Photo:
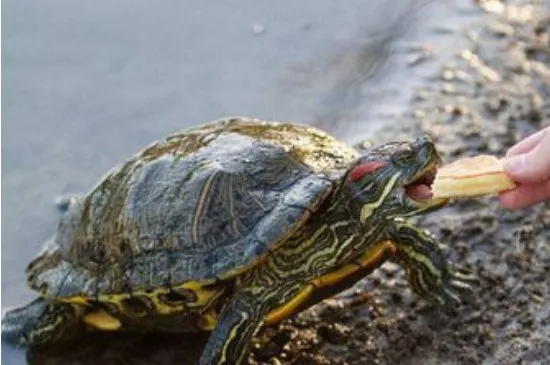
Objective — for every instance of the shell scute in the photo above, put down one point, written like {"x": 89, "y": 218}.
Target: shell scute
{"x": 203, "y": 204}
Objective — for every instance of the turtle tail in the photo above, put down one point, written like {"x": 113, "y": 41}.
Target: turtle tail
{"x": 38, "y": 322}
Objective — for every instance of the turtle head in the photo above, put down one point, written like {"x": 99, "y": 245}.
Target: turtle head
{"x": 394, "y": 179}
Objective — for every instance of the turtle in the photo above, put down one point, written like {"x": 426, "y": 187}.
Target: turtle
{"x": 231, "y": 226}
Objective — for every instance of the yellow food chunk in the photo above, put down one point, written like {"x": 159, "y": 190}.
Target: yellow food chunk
{"x": 473, "y": 176}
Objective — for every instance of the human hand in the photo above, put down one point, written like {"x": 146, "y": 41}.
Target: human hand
{"x": 528, "y": 164}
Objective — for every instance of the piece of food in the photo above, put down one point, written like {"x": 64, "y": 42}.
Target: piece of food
{"x": 474, "y": 176}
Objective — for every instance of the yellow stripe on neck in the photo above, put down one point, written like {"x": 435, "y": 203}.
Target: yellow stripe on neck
{"x": 367, "y": 209}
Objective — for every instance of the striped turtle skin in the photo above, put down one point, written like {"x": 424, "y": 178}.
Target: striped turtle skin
{"x": 229, "y": 227}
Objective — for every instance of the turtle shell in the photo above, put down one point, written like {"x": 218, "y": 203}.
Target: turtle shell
{"x": 201, "y": 205}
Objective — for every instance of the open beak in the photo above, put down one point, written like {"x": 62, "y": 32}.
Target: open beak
{"x": 419, "y": 190}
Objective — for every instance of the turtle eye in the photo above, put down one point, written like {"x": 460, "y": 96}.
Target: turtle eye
{"x": 404, "y": 158}
{"x": 361, "y": 169}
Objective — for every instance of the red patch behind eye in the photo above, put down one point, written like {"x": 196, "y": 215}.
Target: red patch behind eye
{"x": 362, "y": 169}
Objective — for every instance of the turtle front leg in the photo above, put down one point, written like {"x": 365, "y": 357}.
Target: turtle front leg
{"x": 39, "y": 322}
{"x": 239, "y": 320}
{"x": 427, "y": 269}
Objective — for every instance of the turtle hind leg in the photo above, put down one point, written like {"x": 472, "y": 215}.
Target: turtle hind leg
{"x": 428, "y": 272}
{"x": 240, "y": 319}
{"x": 39, "y": 322}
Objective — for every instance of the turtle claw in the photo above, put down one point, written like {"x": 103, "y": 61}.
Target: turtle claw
{"x": 464, "y": 276}
{"x": 457, "y": 288}
{"x": 448, "y": 288}
{"x": 428, "y": 271}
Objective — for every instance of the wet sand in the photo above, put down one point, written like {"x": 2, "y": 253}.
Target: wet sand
{"x": 483, "y": 101}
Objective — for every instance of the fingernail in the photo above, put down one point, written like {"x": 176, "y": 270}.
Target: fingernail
{"x": 515, "y": 165}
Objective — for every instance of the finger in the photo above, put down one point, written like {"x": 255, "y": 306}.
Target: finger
{"x": 527, "y": 144}
{"x": 533, "y": 166}
{"x": 526, "y": 195}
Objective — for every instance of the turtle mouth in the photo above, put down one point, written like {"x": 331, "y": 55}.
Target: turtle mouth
{"x": 419, "y": 189}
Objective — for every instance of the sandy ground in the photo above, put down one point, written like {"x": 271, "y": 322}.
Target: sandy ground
{"x": 493, "y": 94}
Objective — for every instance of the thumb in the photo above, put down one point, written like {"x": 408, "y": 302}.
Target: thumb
{"x": 532, "y": 166}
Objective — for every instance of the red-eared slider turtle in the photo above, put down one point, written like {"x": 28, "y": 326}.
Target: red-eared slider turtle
{"x": 231, "y": 226}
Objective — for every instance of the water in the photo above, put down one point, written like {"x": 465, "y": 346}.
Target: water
{"x": 86, "y": 84}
